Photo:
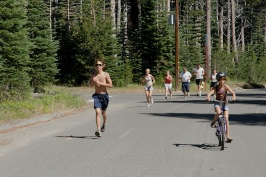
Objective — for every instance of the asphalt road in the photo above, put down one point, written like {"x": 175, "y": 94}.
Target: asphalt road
{"x": 169, "y": 139}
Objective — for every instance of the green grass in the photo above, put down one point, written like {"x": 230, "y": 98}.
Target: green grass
{"x": 55, "y": 99}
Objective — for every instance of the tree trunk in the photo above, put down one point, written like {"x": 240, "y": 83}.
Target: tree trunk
{"x": 208, "y": 42}
{"x": 112, "y": 3}
{"x": 233, "y": 30}
{"x": 118, "y": 20}
{"x": 50, "y": 11}
{"x": 228, "y": 26}
{"x": 265, "y": 29}
{"x": 221, "y": 29}
{"x": 243, "y": 36}
{"x": 168, "y": 7}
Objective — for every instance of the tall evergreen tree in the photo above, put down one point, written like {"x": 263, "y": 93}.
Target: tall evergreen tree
{"x": 93, "y": 38}
{"x": 156, "y": 46}
{"x": 43, "y": 51}
{"x": 14, "y": 50}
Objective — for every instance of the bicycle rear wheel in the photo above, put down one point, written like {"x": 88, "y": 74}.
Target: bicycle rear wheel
{"x": 221, "y": 122}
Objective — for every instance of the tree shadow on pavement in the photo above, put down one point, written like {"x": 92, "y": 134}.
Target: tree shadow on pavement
{"x": 241, "y": 119}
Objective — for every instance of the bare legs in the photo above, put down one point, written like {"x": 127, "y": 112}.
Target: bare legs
{"x": 98, "y": 117}
{"x": 167, "y": 89}
{"x": 148, "y": 97}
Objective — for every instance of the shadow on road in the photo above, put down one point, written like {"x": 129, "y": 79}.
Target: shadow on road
{"x": 241, "y": 119}
{"x": 82, "y": 137}
{"x": 205, "y": 146}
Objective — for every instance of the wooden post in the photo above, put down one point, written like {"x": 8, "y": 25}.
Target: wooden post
{"x": 176, "y": 47}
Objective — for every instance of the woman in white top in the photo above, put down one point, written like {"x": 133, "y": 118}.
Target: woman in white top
{"x": 213, "y": 79}
{"x": 148, "y": 80}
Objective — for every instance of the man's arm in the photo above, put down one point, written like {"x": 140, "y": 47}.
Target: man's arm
{"x": 109, "y": 82}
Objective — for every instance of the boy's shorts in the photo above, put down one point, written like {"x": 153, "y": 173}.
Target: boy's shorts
{"x": 101, "y": 101}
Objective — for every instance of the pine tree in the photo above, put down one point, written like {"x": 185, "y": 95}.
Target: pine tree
{"x": 156, "y": 46}
{"x": 92, "y": 39}
{"x": 14, "y": 50}
{"x": 43, "y": 51}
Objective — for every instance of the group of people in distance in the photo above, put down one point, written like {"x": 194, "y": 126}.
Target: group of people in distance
{"x": 101, "y": 80}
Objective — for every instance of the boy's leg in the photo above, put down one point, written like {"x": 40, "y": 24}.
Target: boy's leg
{"x": 104, "y": 120}
{"x": 98, "y": 118}
{"x": 104, "y": 116}
{"x": 98, "y": 121}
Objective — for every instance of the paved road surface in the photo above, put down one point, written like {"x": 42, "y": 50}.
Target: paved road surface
{"x": 169, "y": 139}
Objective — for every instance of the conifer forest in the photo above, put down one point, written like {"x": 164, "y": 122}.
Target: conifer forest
{"x": 56, "y": 42}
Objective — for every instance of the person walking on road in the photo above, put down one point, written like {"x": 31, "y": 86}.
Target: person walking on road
{"x": 149, "y": 81}
{"x": 168, "y": 84}
{"x": 100, "y": 80}
{"x": 185, "y": 78}
{"x": 199, "y": 73}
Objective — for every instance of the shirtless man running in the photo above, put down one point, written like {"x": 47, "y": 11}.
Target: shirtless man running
{"x": 100, "y": 80}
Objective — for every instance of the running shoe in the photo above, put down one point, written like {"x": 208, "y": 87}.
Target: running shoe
{"x": 98, "y": 134}
{"x": 152, "y": 101}
{"x": 166, "y": 97}
{"x": 103, "y": 128}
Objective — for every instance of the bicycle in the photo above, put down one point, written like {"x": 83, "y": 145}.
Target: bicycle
{"x": 221, "y": 125}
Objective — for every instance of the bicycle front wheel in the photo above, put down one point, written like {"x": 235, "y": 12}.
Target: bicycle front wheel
{"x": 222, "y": 133}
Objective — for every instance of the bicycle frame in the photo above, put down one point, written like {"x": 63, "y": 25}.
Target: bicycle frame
{"x": 221, "y": 127}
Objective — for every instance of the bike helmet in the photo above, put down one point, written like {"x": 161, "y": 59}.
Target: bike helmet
{"x": 220, "y": 75}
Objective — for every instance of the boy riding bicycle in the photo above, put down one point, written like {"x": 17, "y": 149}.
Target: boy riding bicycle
{"x": 220, "y": 90}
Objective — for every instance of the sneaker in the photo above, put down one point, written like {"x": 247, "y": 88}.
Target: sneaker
{"x": 103, "y": 128}
{"x": 185, "y": 97}
{"x": 98, "y": 134}
{"x": 171, "y": 96}
{"x": 199, "y": 93}
{"x": 213, "y": 125}
{"x": 166, "y": 97}
{"x": 148, "y": 105}
{"x": 229, "y": 140}
{"x": 152, "y": 101}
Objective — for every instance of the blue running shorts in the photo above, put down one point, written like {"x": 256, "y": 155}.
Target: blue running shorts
{"x": 101, "y": 101}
